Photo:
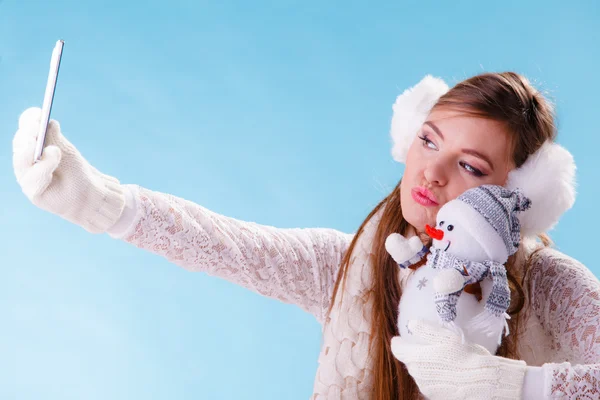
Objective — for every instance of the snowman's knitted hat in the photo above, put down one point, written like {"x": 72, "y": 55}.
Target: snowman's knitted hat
{"x": 547, "y": 177}
{"x": 490, "y": 214}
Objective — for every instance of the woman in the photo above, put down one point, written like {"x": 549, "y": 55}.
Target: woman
{"x": 349, "y": 282}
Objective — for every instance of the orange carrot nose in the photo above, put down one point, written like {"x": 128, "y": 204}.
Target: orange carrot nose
{"x": 437, "y": 234}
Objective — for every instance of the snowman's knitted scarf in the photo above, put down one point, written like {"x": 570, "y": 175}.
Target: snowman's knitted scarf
{"x": 499, "y": 299}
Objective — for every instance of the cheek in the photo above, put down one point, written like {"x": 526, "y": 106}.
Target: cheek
{"x": 460, "y": 182}
{"x": 457, "y": 187}
{"x": 413, "y": 160}
{"x": 414, "y": 149}
{"x": 404, "y": 189}
{"x": 406, "y": 201}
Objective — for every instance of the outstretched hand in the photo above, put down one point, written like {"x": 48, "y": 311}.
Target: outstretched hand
{"x": 63, "y": 182}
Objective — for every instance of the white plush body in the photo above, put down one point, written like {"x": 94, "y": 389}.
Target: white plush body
{"x": 417, "y": 302}
{"x": 418, "y": 294}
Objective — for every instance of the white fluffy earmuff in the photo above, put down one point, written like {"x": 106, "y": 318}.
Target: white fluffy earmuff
{"x": 547, "y": 177}
{"x": 410, "y": 112}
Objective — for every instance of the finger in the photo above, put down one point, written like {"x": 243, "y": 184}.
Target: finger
{"x": 23, "y": 149}
{"x": 29, "y": 125}
{"x": 36, "y": 179}
{"x": 433, "y": 333}
{"x": 25, "y": 140}
{"x": 397, "y": 345}
{"x": 30, "y": 117}
{"x": 53, "y": 134}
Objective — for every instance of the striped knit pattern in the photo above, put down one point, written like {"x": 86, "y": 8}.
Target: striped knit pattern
{"x": 499, "y": 299}
{"x": 445, "y": 304}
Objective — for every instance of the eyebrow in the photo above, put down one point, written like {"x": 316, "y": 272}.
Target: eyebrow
{"x": 466, "y": 151}
{"x": 435, "y": 129}
{"x": 479, "y": 155}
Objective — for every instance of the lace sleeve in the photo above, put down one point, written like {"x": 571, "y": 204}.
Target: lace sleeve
{"x": 576, "y": 382}
{"x": 295, "y": 266}
{"x": 565, "y": 296}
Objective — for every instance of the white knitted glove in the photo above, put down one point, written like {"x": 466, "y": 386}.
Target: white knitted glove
{"x": 63, "y": 182}
{"x": 444, "y": 368}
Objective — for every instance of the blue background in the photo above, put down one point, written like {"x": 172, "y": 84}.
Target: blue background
{"x": 270, "y": 111}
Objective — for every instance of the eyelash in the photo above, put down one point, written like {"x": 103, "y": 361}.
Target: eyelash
{"x": 469, "y": 168}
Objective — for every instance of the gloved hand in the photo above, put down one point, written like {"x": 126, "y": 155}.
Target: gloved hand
{"x": 63, "y": 182}
{"x": 444, "y": 368}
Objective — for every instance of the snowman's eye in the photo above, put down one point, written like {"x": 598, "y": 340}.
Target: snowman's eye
{"x": 441, "y": 223}
{"x": 450, "y": 227}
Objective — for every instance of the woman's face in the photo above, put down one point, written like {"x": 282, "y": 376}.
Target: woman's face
{"x": 452, "y": 152}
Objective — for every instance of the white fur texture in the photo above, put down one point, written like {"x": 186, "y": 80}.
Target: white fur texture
{"x": 548, "y": 179}
{"x": 410, "y": 111}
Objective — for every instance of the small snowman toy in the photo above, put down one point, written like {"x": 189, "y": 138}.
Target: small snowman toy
{"x": 472, "y": 240}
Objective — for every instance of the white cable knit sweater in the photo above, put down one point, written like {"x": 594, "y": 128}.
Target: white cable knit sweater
{"x": 299, "y": 266}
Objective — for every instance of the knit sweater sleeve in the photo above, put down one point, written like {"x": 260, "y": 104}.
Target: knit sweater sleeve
{"x": 296, "y": 266}
{"x": 565, "y": 296}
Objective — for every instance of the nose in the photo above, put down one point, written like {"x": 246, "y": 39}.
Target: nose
{"x": 436, "y": 172}
{"x": 436, "y": 234}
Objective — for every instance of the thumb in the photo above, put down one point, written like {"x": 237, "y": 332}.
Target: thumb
{"x": 407, "y": 350}
{"x": 401, "y": 349}
{"x": 30, "y": 117}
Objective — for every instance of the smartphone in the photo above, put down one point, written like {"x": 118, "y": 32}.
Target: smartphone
{"x": 48, "y": 99}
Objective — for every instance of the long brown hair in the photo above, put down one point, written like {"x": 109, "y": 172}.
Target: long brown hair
{"x": 506, "y": 97}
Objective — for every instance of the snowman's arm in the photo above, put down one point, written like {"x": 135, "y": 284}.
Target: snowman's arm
{"x": 449, "y": 280}
{"x": 476, "y": 271}
{"x": 445, "y": 305}
{"x": 405, "y": 252}
{"x": 499, "y": 299}
{"x": 459, "y": 275}
{"x": 418, "y": 249}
